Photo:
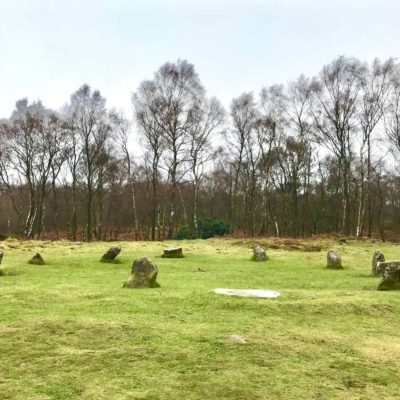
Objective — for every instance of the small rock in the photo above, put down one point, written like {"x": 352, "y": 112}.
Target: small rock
{"x": 238, "y": 339}
{"x": 111, "y": 254}
{"x": 175, "y": 252}
{"x": 259, "y": 253}
{"x": 377, "y": 257}
{"x": 37, "y": 259}
{"x": 334, "y": 260}
{"x": 143, "y": 274}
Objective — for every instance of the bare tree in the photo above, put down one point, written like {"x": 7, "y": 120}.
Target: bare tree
{"x": 375, "y": 84}
{"x": 299, "y": 122}
{"x": 88, "y": 113}
{"x": 175, "y": 91}
{"x": 121, "y": 127}
{"x": 392, "y": 116}
{"x": 243, "y": 115}
{"x": 74, "y": 156}
{"x": 146, "y": 103}
{"x": 270, "y": 126}
{"x": 52, "y": 142}
{"x": 204, "y": 121}
{"x": 336, "y": 94}
{"x": 33, "y": 141}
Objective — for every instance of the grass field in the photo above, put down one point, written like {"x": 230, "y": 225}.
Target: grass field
{"x": 69, "y": 331}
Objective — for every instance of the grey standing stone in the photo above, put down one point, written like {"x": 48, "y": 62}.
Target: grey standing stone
{"x": 377, "y": 257}
{"x": 143, "y": 274}
{"x": 175, "y": 252}
{"x": 334, "y": 260}
{"x": 259, "y": 253}
{"x": 111, "y": 254}
{"x": 390, "y": 274}
{"x": 37, "y": 259}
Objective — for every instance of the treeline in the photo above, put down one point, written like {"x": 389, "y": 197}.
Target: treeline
{"x": 318, "y": 155}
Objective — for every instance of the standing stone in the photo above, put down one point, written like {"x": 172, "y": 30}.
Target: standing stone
{"x": 175, "y": 252}
{"x": 334, "y": 260}
{"x": 259, "y": 253}
{"x": 1, "y": 258}
{"x": 111, "y": 254}
{"x": 143, "y": 274}
{"x": 377, "y": 257}
{"x": 37, "y": 259}
{"x": 390, "y": 274}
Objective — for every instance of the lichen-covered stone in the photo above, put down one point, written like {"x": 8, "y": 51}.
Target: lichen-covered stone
{"x": 175, "y": 252}
{"x": 37, "y": 259}
{"x": 390, "y": 274}
{"x": 143, "y": 274}
{"x": 377, "y": 257}
{"x": 334, "y": 260}
{"x": 111, "y": 254}
{"x": 259, "y": 253}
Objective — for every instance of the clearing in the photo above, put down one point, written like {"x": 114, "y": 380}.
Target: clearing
{"x": 69, "y": 331}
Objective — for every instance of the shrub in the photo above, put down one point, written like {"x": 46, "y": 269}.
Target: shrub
{"x": 5, "y": 236}
{"x": 207, "y": 228}
{"x": 182, "y": 233}
{"x": 210, "y": 227}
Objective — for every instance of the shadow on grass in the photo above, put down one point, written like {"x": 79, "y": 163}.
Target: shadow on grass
{"x": 116, "y": 261}
{"x": 11, "y": 272}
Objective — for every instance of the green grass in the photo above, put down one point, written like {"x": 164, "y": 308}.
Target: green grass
{"x": 69, "y": 331}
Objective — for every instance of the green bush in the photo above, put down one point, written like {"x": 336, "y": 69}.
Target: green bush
{"x": 5, "y": 236}
{"x": 182, "y": 233}
{"x": 210, "y": 227}
{"x": 207, "y": 228}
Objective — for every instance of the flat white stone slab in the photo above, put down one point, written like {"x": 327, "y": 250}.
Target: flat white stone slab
{"x": 270, "y": 294}
{"x": 238, "y": 339}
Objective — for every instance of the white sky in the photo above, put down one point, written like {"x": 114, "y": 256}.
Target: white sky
{"x": 48, "y": 48}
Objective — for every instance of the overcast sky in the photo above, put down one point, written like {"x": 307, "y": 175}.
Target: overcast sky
{"x": 48, "y": 48}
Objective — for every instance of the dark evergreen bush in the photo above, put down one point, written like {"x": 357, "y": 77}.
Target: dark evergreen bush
{"x": 207, "y": 228}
